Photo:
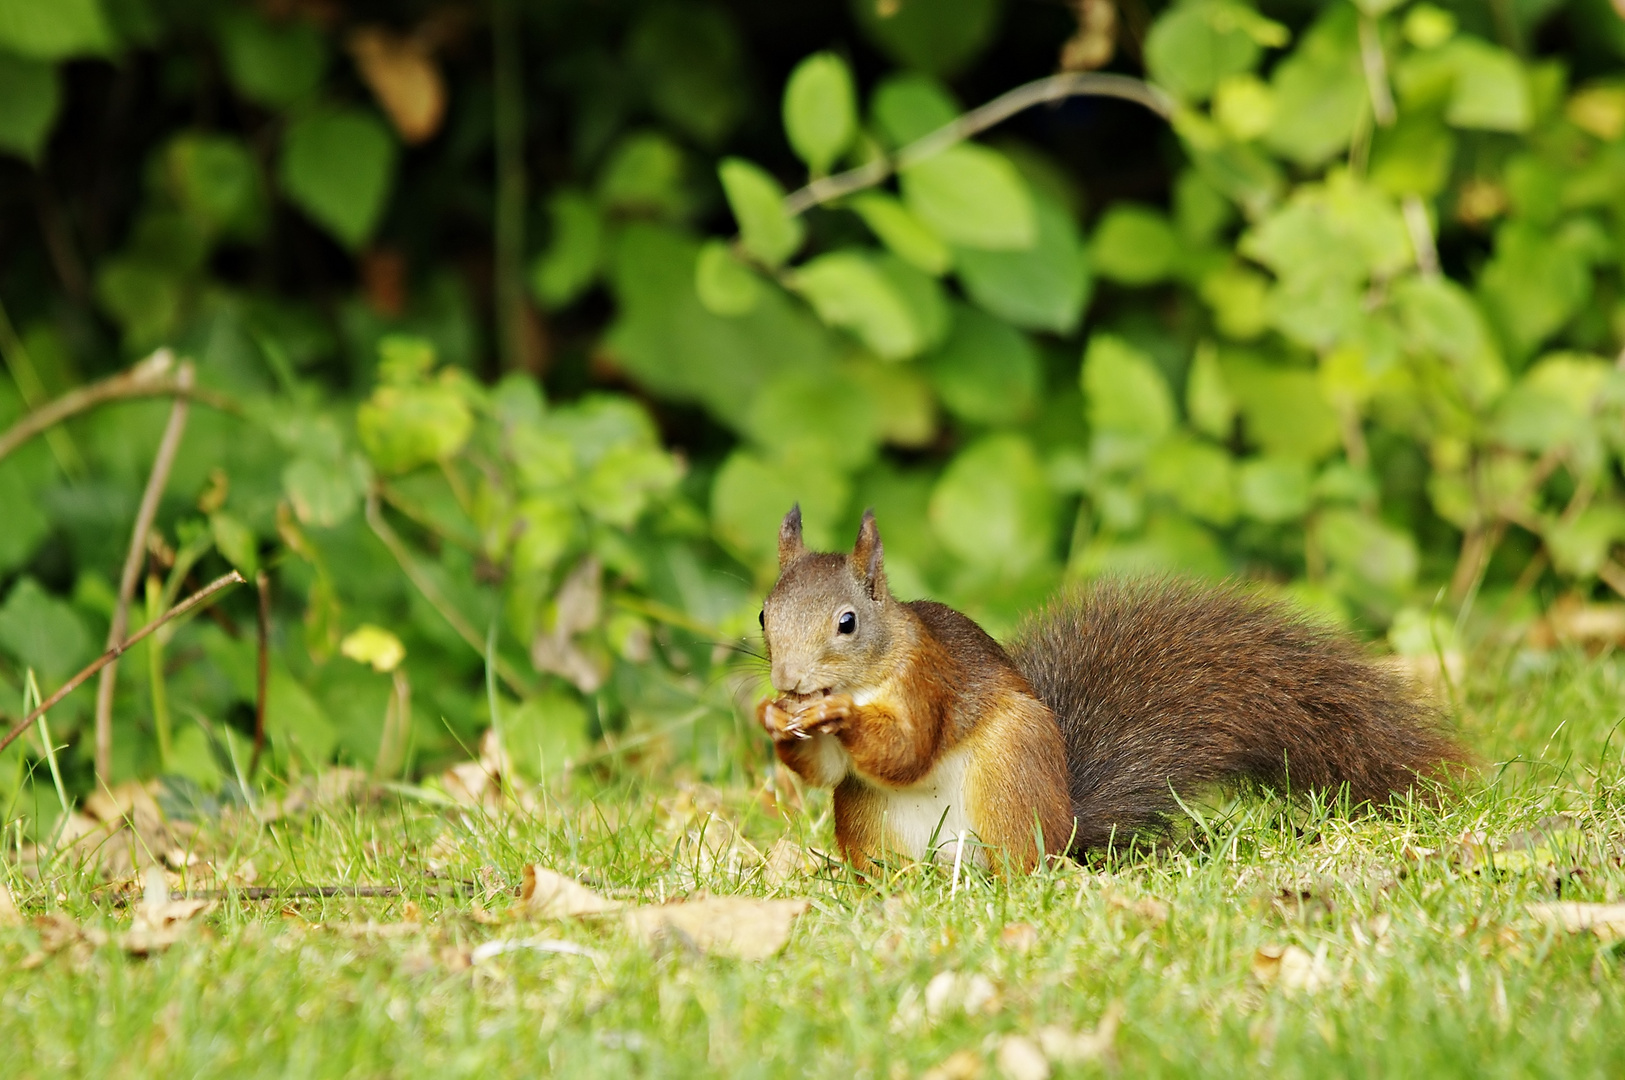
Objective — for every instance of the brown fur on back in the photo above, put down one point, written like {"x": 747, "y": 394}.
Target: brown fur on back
{"x": 1167, "y": 686}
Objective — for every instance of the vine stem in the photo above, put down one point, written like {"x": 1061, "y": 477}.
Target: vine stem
{"x": 1048, "y": 89}
{"x": 196, "y": 600}
{"x": 157, "y": 480}
{"x": 152, "y": 377}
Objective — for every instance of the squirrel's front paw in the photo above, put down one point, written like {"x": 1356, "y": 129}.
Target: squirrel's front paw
{"x": 824, "y": 716}
{"x": 781, "y": 723}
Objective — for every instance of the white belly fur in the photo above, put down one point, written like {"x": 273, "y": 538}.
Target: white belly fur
{"x": 933, "y": 807}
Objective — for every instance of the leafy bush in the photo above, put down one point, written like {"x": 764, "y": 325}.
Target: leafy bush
{"x": 514, "y": 350}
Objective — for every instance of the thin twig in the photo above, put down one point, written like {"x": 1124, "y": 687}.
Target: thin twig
{"x": 197, "y": 599}
{"x": 1375, "y": 64}
{"x": 157, "y": 480}
{"x": 262, "y": 675}
{"x": 26, "y": 376}
{"x": 431, "y": 593}
{"x": 1006, "y": 105}
{"x": 150, "y": 378}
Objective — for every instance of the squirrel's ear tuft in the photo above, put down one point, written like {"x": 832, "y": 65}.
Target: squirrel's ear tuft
{"x": 790, "y": 546}
{"x": 868, "y": 557}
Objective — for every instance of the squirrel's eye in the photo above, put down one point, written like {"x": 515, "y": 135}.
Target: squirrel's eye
{"x": 761, "y": 617}
{"x": 847, "y": 623}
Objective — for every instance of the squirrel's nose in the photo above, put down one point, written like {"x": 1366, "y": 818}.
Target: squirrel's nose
{"x": 786, "y": 679}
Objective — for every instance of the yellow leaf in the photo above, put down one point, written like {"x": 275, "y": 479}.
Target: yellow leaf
{"x": 369, "y": 644}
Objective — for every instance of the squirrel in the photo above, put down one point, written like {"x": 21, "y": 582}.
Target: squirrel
{"x": 1083, "y": 730}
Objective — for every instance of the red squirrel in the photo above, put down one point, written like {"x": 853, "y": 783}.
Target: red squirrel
{"x": 1080, "y": 731}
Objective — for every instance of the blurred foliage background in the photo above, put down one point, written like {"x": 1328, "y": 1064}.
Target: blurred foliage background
{"x": 511, "y": 356}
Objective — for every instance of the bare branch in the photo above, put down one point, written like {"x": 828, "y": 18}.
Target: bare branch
{"x": 157, "y": 480}
{"x": 1006, "y": 105}
{"x": 150, "y": 378}
{"x": 262, "y": 676}
{"x": 196, "y": 600}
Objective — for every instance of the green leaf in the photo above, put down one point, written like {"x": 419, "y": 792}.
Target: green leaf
{"x": 1533, "y": 285}
{"x": 1045, "y": 287}
{"x": 1554, "y": 404}
{"x": 1439, "y": 316}
{"x": 26, "y": 523}
{"x": 32, "y": 97}
{"x": 940, "y": 37}
{"x": 644, "y": 174}
{"x": 820, "y": 110}
{"x": 972, "y": 197}
{"x": 751, "y": 495}
{"x": 275, "y": 64}
{"x": 781, "y": 418}
{"x": 1366, "y": 550}
{"x": 1340, "y": 229}
{"x": 689, "y": 60}
{"x": 216, "y": 180}
{"x": 1192, "y": 47}
{"x": 1273, "y": 489}
{"x": 908, "y": 106}
{"x": 625, "y": 481}
{"x": 1239, "y": 299}
{"x": 56, "y": 30}
{"x": 571, "y": 262}
{"x": 674, "y": 347}
{"x": 1581, "y": 546}
{"x": 1413, "y": 156}
{"x": 143, "y": 298}
{"x": 44, "y": 633}
{"x": 545, "y": 526}
{"x": 235, "y": 541}
{"x": 545, "y": 733}
{"x": 1490, "y": 92}
{"x": 405, "y": 427}
{"x": 1130, "y": 407}
{"x": 904, "y": 234}
{"x": 1320, "y": 91}
{"x": 987, "y": 372}
{"x": 757, "y": 201}
{"x": 1134, "y": 245}
{"x": 725, "y": 285}
{"x": 338, "y": 166}
{"x": 1197, "y": 475}
{"x": 1282, "y": 407}
{"x": 294, "y": 722}
{"x": 993, "y": 507}
{"x": 847, "y": 289}
{"x": 1208, "y": 401}
{"x": 322, "y": 492}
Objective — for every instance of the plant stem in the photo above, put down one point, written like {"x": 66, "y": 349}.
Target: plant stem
{"x": 155, "y": 674}
{"x": 1048, "y": 89}
{"x": 197, "y": 599}
{"x": 157, "y": 480}
{"x": 26, "y": 376}
{"x": 150, "y": 378}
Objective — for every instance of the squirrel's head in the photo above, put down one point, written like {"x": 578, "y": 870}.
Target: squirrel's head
{"x": 826, "y": 621}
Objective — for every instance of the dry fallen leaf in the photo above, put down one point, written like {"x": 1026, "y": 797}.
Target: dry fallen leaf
{"x": 786, "y": 860}
{"x": 159, "y": 921}
{"x": 9, "y": 915}
{"x": 1075, "y": 1047}
{"x": 948, "y": 993}
{"x": 959, "y": 1065}
{"x": 1019, "y": 1058}
{"x": 1607, "y": 921}
{"x": 1291, "y": 967}
{"x": 736, "y": 926}
{"x": 1020, "y": 937}
{"x": 1149, "y": 908}
{"x": 402, "y": 74}
{"x": 548, "y": 894}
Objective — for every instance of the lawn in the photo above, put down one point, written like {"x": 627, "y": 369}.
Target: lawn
{"x": 1273, "y": 937}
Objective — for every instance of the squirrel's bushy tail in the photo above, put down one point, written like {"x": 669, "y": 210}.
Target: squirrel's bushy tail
{"x": 1171, "y": 686}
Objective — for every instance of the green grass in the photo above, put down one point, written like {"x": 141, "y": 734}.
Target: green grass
{"x": 1429, "y": 964}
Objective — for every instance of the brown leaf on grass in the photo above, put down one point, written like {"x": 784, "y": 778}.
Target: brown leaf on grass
{"x": 737, "y": 926}
{"x": 548, "y": 894}
{"x": 1607, "y": 921}
{"x": 948, "y": 994}
{"x": 159, "y": 921}
{"x": 786, "y": 860}
{"x": 1149, "y": 908}
{"x": 1065, "y": 1047}
{"x": 1019, "y": 1058}
{"x": 1019, "y": 937}
{"x": 1570, "y": 621}
{"x": 959, "y": 1065}
{"x": 1292, "y": 968}
{"x": 9, "y": 915}
{"x": 402, "y": 74}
